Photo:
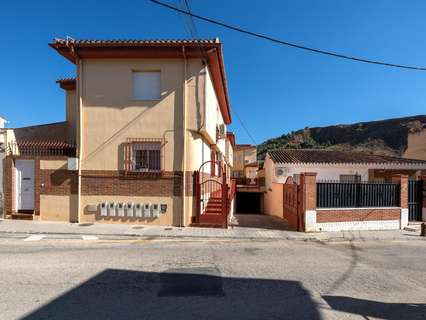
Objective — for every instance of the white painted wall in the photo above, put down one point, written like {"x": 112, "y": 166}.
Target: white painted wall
{"x": 331, "y": 173}
{"x": 199, "y": 153}
{"x": 213, "y": 114}
{"x": 358, "y": 225}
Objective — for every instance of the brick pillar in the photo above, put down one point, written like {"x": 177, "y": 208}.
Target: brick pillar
{"x": 8, "y": 185}
{"x": 309, "y": 189}
{"x": 402, "y": 179}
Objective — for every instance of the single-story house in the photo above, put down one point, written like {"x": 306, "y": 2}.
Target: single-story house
{"x": 289, "y": 169}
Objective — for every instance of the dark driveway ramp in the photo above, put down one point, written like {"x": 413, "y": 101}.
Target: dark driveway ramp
{"x": 248, "y": 202}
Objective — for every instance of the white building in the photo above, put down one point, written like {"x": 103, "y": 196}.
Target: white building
{"x": 331, "y": 166}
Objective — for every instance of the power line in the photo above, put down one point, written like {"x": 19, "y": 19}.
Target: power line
{"x": 193, "y": 31}
{"x": 245, "y": 129}
{"x": 289, "y": 44}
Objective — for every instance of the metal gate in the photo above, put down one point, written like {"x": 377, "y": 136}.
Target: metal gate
{"x": 211, "y": 195}
{"x": 415, "y": 200}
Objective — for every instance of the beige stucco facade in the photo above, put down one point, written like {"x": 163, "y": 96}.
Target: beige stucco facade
{"x": 273, "y": 195}
{"x": 244, "y": 155}
{"x": 110, "y": 115}
{"x": 58, "y": 208}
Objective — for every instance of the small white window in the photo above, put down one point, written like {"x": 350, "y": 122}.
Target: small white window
{"x": 146, "y": 85}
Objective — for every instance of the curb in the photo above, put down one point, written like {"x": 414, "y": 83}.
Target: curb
{"x": 288, "y": 238}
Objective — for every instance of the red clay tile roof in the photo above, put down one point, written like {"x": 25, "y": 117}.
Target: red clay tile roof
{"x": 67, "y": 83}
{"x": 330, "y": 156}
{"x": 136, "y": 41}
{"x": 244, "y": 146}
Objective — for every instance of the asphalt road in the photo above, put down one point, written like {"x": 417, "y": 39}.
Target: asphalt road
{"x": 169, "y": 279}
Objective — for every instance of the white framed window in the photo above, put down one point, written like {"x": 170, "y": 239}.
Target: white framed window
{"x": 146, "y": 85}
{"x": 146, "y": 156}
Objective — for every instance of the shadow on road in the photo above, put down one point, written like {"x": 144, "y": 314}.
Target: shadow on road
{"x": 202, "y": 293}
{"x": 188, "y": 293}
{"x": 261, "y": 221}
{"x": 376, "y": 309}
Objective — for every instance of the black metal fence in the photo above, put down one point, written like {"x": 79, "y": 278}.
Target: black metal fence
{"x": 415, "y": 200}
{"x": 331, "y": 194}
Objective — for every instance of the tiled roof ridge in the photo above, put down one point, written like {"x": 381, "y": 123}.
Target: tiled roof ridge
{"x": 135, "y": 41}
{"x": 317, "y": 156}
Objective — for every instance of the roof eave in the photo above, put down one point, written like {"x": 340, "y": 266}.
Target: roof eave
{"x": 73, "y": 50}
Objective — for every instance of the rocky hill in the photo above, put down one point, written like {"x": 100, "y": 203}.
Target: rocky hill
{"x": 385, "y": 137}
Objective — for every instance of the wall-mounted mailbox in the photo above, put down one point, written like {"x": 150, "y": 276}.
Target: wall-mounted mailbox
{"x": 155, "y": 210}
{"x": 111, "y": 209}
{"x": 129, "y": 209}
{"x": 92, "y": 208}
{"x": 138, "y": 210}
{"x": 120, "y": 209}
{"x": 147, "y": 210}
{"x": 103, "y": 207}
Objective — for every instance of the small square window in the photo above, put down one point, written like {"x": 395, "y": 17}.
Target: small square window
{"x": 147, "y": 85}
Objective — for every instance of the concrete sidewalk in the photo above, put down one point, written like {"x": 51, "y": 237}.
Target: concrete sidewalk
{"x": 123, "y": 230}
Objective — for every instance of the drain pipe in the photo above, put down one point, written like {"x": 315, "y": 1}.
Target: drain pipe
{"x": 79, "y": 92}
{"x": 182, "y": 222}
{"x": 80, "y": 136}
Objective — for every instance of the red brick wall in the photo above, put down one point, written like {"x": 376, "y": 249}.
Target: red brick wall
{"x": 357, "y": 215}
{"x": 8, "y": 184}
{"x": 114, "y": 183}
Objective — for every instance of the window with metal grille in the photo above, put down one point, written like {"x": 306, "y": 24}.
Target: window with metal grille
{"x": 147, "y": 156}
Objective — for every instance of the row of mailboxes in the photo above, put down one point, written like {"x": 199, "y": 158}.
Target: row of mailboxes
{"x": 138, "y": 210}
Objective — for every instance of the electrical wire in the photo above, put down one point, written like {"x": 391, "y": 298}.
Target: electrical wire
{"x": 289, "y": 44}
{"x": 194, "y": 34}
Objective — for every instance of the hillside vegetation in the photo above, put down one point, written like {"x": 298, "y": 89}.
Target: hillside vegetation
{"x": 385, "y": 137}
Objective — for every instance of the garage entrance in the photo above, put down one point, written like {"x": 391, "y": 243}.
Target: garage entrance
{"x": 249, "y": 202}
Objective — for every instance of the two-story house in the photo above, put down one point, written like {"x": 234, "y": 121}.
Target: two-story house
{"x": 141, "y": 117}
{"x": 245, "y": 163}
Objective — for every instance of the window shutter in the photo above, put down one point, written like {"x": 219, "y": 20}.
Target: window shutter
{"x": 212, "y": 163}
{"x": 127, "y": 157}
{"x": 147, "y": 85}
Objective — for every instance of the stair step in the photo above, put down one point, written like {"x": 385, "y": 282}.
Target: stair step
{"x": 207, "y": 225}
{"x": 21, "y": 216}
{"x": 214, "y": 206}
{"x": 213, "y": 211}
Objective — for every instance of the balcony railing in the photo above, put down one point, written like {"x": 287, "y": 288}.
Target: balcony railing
{"x": 41, "y": 148}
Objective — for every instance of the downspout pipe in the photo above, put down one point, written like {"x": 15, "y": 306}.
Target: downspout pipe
{"x": 182, "y": 220}
{"x": 79, "y": 63}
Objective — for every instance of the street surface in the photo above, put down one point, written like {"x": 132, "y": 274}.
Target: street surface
{"x": 76, "y": 278}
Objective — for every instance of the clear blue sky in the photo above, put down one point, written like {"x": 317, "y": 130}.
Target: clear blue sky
{"x": 274, "y": 89}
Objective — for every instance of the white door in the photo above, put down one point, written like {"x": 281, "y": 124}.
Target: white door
{"x": 25, "y": 184}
